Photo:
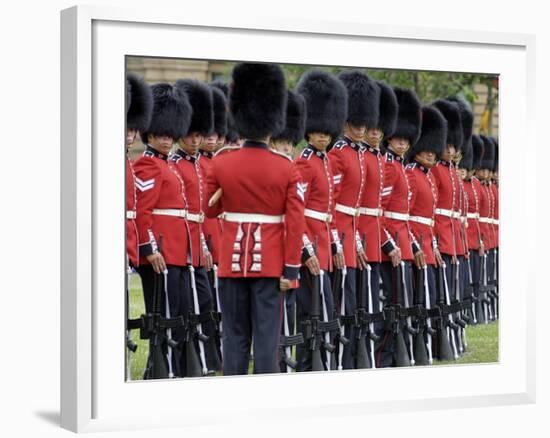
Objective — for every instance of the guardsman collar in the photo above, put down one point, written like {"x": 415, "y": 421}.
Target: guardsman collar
{"x": 255, "y": 144}
{"x": 375, "y": 151}
{"x": 395, "y": 156}
{"x": 421, "y": 167}
{"x": 355, "y": 146}
{"x": 317, "y": 152}
{"x": 186, "y": 156}
{"x": 445, "y": 163}
{"x": 206, "y": 154}
{"x": 152, "y": 152}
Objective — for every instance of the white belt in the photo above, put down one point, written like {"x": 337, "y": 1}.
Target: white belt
{"x": 253, "y": 218}
{"x": 447, "y": 213}
{"x": 422, "y": 220}
{"x": 131, "y": 214}
{"x": 456, "y": 214}
{"x": 323, "y": 217}
{"x": 377, "y": 212}
{"x": 472, "y": 215}
{"x": 350, "y": 211}
{"x": 494, "y": 221}
{"x": 396, "y": 216}
{"x": 195, "y": 217}
{"x": 485, "y": 220}
{"x": 170, "y": 212}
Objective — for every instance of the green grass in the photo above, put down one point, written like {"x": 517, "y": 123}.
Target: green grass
{"x": 482, "y": 339}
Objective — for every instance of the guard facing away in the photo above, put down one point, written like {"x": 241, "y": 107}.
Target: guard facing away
{"x": 256, "y": 189}
{"x": 326, "y": 103}
{"x": 161, "y": 211}
{"x": 186, "y": 160}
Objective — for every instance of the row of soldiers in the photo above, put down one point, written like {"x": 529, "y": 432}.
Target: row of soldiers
{"x": 375, "y": 247}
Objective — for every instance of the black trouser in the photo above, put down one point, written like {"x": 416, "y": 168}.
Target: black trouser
{"x": 251, "y": 309}
{"x": 350, "y": 304}
{"x": 176, "y": 291}
{"x": 385, "y": 351}
{"x": 475, "y": 270}
{"x": 303, "y": 313}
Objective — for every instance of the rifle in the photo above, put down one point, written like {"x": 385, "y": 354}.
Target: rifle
{"x": 362, "y": 358}
{"x": 217, "y": 312}
{"x": 431, "y": 313}
{"x": 338, "y": 286}
{"x": 484, "y": 290}
{"x": 470, "y": 289}
{"x": 195, "y": 332}
{"x": 286, "y": 343}
{"x": 420, "y": 348}
{"x": 447, "y": 310}
{"x": 457, "y": 305}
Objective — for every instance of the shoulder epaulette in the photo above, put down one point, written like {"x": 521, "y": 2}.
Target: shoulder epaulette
{"x": 389, "y": 157}
{"x": 227, "y": 149}
{"x": 340, "y": 144}
{"x": 148, "y": 154}
{"x": 307, "y": 153}
{"x": 280, "y": 154}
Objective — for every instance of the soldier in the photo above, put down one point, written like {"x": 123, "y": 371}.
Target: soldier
{"x": 186, "y": 160}
{"x": 396, "y": 200}
{"x": 161, "y": 210}
{"x": 349, "y": 168}
{"x": 256, "y": 189}
{"x": 286, "y": 140}
{"x": 423, "y": 156}
{"x": 326, "y": 109}
{"x": 494, "y": 187}
{"x": 472, "y": 192}
{"x": 139, "y": 105}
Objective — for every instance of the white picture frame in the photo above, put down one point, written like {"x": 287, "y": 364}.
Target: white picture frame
{"x": 94, "y": 40}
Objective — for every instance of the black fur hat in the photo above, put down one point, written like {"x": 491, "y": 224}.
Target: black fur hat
{"x": 477, "y": 151}
{"x": 488, "y": 159}
{"x": 466, "y": 118}
{"x": 139, "y": 103}
{"x": 231, "y": 136}
{"x": 220, "y": 111}
{"x": 454, "y": 126}
{"x": 257, "y": 99}
{"x": 295, "y": 119}
{"x": 433, "y": 132}
{"x": 326, "y": 101}
{"x": 495, "y": 142}
{"x": 409, "y": 115}
{"x": 466, "y": 162}
{"x": 363, "y": 98}
{"x": 171, "y": 112}
{"x": 200, "y": 98}
{"x": 389, "y": 107}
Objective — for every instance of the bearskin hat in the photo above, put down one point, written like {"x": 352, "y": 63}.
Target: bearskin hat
{"x": 257, "y": 99}
{"x": 466, "y": 118}
{"x": 409, "y": 115}
{"x": 495, "y": 165}
{"x": 477, "y": 151}
{"x": 454, "y": 126}
{"x": 231, "y": 136}
{"x": 220, "y": 111}
{"x": 326, "y": 100}
{"x": 389, "y": 108}
{"x": 363, "y": 98}
{"x": 171, "y": 112}
{"x": 139, "y": 103}
{"x": 466, "y": 162}
{"x": 200, "y": 98}
{"x": 433, "y": 132}
{"x": 488, "y": 159}
{"x": 295, "y": 119}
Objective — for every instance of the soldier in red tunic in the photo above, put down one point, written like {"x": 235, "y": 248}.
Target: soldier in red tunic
{"x": 187, "y": 161}
{"x": 396, "y": 202}
{"x": 350, "y": 171}
{"x": 423, "y": 157}
{"x": 472, "y": 192}
{"x": 259, "y": 193}
{"x": 326, "y": 104}
{"x": 161, "y": 211}
{"x": 494, "y": 187}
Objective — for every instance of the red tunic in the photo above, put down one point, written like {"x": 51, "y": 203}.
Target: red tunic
{"x": 484, "y": 213}
{"x": 471, "y": 191}
{"x": 255, "y": 180}
{"x": 371, "y": 224}
{"x": 422, "y": 205}
{"x": 395, "y": 199}
{"x": 317, "y": 179}
{"x": 348, "y": 166}
{"x": 193, "y": 178}
{"x": 131, "y": 212}
{"x": 447, "y": 203}
{"x": 159, "y": 186}
{"x": 212, "y": 226}
{"x": 460, "y": 221}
